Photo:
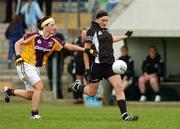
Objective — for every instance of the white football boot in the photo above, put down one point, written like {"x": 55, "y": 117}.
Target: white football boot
{"x": 142, "y": 98}
{"x": 157, "y": 98}
{"x": 35, "y": 117}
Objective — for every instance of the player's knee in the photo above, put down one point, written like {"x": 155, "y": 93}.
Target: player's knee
{"x": 39, "y": 86}
{"x": 141, "y": 80}
{"x": 29, "y": 95}
{"x": 120, "y": 88}
{"x": 153, "y": 81}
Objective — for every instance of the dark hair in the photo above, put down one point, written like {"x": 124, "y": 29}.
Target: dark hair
{"x": 153, "y": 47}
{"x": 40, "y": 21}
{"x": 101, "y": 13}
{"x": 124, "y": 47}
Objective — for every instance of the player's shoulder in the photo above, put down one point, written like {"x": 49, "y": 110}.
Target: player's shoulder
{"x": 130, "y": 59}
{"x": 31, "y": 35}
{"x": 91, "y": 30}
{"x": 57, "y": 40}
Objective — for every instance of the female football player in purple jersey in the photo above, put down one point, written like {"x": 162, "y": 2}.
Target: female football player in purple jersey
{"x": 32, "y": 52}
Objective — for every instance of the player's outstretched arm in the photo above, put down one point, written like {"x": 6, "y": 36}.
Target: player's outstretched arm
{"x": 122, "y": 37}
{"x": 86, "y": 62}
{"x": 72, "y": 47}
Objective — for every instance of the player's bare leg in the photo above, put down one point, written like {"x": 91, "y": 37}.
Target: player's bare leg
{"x": 23, "y": 93}
{"x": 36, "y": 98}
{"x": 115, "y": 80}
{"x": 142, "y": 88}
{"x": 17, "y": 92}
{"x": 91, "y": 89}
{"x": 155, "y": 86}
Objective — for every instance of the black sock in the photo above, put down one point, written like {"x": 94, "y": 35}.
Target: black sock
{"x": 79, "y": 88}
{"x": 34, "y": 112}
{"x": 157, "y": 93}
{"x": 143, "y": 94}
{"x": 122, "y": 108}
{"x": 10, "y": 92}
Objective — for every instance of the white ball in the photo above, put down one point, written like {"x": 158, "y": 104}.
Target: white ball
{"x": 119, "y": 67}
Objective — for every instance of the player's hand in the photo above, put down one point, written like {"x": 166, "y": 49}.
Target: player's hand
{"x": 87, "y": 74}
{"x": 19, "y": 60}
{"x": 91, "y": 51}
{"x": 129, "y": 33}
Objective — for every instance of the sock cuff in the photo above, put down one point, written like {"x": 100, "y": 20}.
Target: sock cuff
{"x": 34, "y": 112}
{"x": 12, "y": 92}
{"x": 121, "y": 100}
{"x": 81, "y": 88}
{"x": 157, "y": 93}
{"x": 143, "y": 93}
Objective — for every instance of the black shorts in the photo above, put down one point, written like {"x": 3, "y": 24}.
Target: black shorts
{"x": 80, "y": 68}
{"x": 100, "y": 71}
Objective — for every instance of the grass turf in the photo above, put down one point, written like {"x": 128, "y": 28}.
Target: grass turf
{"x": 16, "y": 115}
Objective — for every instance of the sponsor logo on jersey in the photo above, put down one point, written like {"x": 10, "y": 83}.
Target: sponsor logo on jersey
{"x": 39, "y": 41}
{"x": 99, "y": 33}
{"x": 42, "y": 48}
{"x": 50, "y": 44}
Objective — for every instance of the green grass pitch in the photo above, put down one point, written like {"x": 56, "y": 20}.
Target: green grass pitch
{"x": 16, "y": 115}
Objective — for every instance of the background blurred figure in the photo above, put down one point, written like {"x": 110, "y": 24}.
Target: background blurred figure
{"x": 128, "y": 77}
{"x": 13, "y": 33}
{"x": 79, "y": 65}
{"x": 48, "y": 6}
{"x": 32, "y": 14}
{"x": 9, "y": 10}
{"x": 152, "y": 68}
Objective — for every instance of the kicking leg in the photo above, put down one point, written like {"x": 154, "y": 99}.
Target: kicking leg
{"x": 115, "y": 80}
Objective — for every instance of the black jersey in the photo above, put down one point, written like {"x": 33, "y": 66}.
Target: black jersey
{"x": 152, "y": 66}
{"x": 102, "y": 40}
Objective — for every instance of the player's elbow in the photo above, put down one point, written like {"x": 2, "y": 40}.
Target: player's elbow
{"x": 16, "y": 44}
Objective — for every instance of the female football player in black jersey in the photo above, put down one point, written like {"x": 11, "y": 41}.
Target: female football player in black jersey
{"x": 98, "y": 36}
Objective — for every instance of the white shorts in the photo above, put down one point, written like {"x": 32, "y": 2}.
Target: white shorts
{"x": 29, "y": 74}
